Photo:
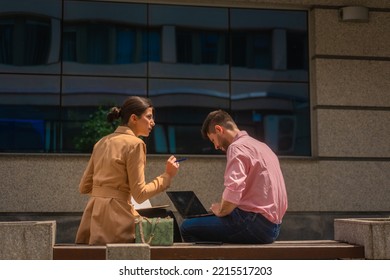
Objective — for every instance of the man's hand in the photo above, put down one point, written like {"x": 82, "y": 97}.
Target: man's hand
{"x": 222, "y": 209}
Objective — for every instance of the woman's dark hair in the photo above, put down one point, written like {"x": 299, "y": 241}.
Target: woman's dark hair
{"x": 133, "y": 105}
{"x": 219, "y": 117}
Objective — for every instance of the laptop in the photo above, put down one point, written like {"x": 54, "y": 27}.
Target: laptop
{"x": 188, "y": 204}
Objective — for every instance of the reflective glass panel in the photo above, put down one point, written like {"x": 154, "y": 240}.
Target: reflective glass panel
{"x": 269, "y": 78}
{"x": 190, "y": 47}
{"x": 63, "y": 63}
{"x": 275, "y": 113}
{"x": 101, "y": 38}
{"x": 181, "y": 106}
{"x": 30, "y": 32}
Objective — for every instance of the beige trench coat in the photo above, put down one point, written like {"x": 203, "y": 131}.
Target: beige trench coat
{"x": 115, "y": 172}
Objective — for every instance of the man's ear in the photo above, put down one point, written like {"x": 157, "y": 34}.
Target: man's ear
{"x": 218, "y": 128}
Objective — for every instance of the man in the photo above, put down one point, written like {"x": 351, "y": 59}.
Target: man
{"x": 254, "y": 200}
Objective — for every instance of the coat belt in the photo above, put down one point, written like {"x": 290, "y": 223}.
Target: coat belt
{"x": 108, "y": 192}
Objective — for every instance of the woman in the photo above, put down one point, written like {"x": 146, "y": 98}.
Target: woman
{"x": 115, "y": 173}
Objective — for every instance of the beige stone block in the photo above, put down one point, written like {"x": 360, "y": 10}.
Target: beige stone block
{"x": 302, "y": 184}
{"x": 353, "y": 133}
{"x": 28, "y": 240}
{"x": 354, "y": 186}
{"x": 44, "y": 183}
{"x": 373, "y": 234}
{"x": 335, "y": 37}
{"x": 353, "y": 82}
{"x": 128, "y": 251}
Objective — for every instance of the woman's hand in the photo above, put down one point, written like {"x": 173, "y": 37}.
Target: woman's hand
{"x": 172, "y": 167}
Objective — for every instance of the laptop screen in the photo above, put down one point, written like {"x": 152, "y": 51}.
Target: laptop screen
{"x": 186, "y": 203}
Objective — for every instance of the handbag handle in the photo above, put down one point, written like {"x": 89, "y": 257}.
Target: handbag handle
{"x": 154, "y": 224}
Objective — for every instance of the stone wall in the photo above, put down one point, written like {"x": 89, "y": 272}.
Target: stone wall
{"x": 45, "y": 187}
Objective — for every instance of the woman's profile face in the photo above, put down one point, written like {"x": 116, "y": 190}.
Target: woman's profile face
{"x": 145, "y": 123}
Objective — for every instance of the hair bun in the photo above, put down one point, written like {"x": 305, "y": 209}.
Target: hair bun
{"x": 113, "y": 114}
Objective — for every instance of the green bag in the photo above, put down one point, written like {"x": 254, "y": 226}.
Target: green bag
{"x": 154, "y": 231}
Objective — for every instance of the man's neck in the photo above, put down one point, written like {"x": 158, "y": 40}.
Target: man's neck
{"x": 231, "y": 134}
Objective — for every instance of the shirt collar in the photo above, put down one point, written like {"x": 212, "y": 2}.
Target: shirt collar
{"x": 240, "y": 134}
{"x": 124, "y": 130}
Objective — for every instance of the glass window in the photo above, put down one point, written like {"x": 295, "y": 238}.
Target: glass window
{"x": 29, "y": 113}
{"x": 154, "y": 45}
{"x": 105, "y": 54}
{"x": 252, "y": 49}
{"x": 269, "y": 78}
{"x": 181, "y": 106}
{"x": 29, "y": 36}
{"x": 83, "y": 97}
{"x": 201, "y": 47}
{"x": 24, "y": 40}
{"x": 91, "y": 43}
{"x": 297, "y": 52}
{"x": 276, "y": 113}
{"x": 190, "y": 48}
{"x": 109, "y": 39}
{"x": 29, "y": 75}
{"x": 63, "y": 63}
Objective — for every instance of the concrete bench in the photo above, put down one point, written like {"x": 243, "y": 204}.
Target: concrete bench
{"x": 279, "y": 250}
{"x": 286, "y": 250}
{"x": 35, "y": 240}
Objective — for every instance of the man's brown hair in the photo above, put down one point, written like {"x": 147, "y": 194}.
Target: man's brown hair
{"x": 218, "y": 117}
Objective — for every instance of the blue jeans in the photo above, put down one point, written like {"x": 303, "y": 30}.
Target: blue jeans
{"x": 238, "y": 227}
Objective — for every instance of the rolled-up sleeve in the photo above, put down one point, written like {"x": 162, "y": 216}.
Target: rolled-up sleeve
{"x": 235, "y": 177}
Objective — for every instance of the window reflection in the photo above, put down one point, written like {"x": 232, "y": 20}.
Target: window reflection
{"x": 91, "y": 43}
{"x": 29, "y": 36}
{"x": 29, "y": 103}
{"x": 273, "y": 112}
{"x": 252, "y": 49}
{"x": 269, "y": 45}
{"x": 177, "y": 131}
{"x": 189, "y": 93}
{"x": 24, "y": 40}
{"x": 201, "y": 47}
{"x": 105, "y": 39}
{"x": 191, "y": 48}
{"x": 189, "y": 60}
{"x": 99, "y": 91}
{"x": 297, "y": 50}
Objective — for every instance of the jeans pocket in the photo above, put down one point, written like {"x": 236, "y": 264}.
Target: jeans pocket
{"x": 245, "y": 230}
{"x": 240, "y": 217}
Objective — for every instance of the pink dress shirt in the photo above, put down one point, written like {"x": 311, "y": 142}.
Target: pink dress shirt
{"x": 253, "y": 179}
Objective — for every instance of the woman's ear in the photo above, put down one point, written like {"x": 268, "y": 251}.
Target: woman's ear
{"x": 133, "y": 119}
